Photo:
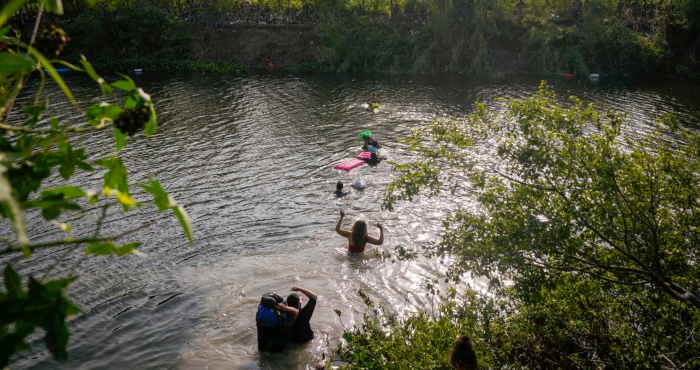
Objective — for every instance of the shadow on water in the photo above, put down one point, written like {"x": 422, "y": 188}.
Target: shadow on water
{"x": 251, "y": 159}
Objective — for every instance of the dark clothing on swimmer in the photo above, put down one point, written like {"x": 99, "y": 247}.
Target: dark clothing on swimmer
{"x": 370, "y": 141}
{"x": 373, "y": 159}
{"x": 272, "y": 339}
{"x": 301, "y": 329}
{"x": 339, "y": 190}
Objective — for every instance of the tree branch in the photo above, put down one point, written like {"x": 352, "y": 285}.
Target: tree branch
{"x": 75, "y": 129}
{"x": 17, "y": 248}
{"x": 586, "y": 270}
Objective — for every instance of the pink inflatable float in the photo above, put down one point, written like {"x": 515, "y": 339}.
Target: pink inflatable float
{"x": 352, "y": 163}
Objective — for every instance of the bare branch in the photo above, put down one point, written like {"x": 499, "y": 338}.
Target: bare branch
{"x": 17, "y": 248}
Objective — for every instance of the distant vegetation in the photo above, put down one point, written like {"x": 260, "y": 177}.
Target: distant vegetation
{"x": 544, "y": 37}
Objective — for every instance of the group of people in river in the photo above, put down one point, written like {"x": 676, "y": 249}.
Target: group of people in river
{"x": 281, "y": 320}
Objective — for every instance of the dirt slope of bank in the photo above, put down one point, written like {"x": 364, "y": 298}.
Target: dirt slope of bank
{"x": 285, "y": 45}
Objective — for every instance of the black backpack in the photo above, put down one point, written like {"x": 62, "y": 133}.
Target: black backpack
{"x": 268, "y": 315}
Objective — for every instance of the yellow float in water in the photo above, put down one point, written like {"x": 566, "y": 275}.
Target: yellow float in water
{"x": 374, "y": 105}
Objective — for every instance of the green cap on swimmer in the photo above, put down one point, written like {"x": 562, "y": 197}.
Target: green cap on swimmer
{"x": 362, "y": 135}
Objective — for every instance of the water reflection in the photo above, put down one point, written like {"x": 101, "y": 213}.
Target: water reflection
{"x": 251, "y": 158}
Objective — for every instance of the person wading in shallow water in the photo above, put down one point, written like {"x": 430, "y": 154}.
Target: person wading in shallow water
{"x": 300, "y": 330}
{"x": 358, "y": 237}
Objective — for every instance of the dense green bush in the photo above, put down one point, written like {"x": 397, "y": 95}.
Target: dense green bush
{"x": 139, "y": 31}
{"x": 609, "y": 49}
{"x": 418, "y": 340}
{"x": 364, "y": 44}
{"x": 561, "y": 322}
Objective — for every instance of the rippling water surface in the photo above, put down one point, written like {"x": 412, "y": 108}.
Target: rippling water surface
{"x": 250, "y": 158}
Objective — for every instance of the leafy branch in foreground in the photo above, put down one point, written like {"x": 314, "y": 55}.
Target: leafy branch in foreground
{"x": 570, "y": 192}
{"x": 567, "y": 194}
{"x": 33, "y": 147}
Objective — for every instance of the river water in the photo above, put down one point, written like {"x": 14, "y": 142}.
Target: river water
{"x": 250, "y": 157}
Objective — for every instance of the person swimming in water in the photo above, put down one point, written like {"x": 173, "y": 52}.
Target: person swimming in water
{"x": 357, "y": 236}
{"x": 373, "y": 99}
{"x": 339, "y": 190}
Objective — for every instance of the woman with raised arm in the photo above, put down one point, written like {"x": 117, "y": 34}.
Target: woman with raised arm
{"x": 357, "y": 236}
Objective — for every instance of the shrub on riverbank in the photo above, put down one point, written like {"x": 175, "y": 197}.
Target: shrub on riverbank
{"x": 566, "y": 322}
{"x": 475, "y": 38}
{"x": 140, "y": 31}
{"x": 364, "y": 44}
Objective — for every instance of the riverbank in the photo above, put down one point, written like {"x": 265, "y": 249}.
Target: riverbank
{"x": 475, "y": 40}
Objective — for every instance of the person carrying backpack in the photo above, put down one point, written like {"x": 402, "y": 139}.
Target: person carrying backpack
{"x": 278, "y": 320}
{"x": 273, "y": 322}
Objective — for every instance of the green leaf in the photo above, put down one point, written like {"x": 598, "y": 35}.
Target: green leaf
{"x": 160, "y": 196}
{"x": 14, "y": 211}
{"x": 57, "y": 286}
{"x": 115, "y": 178}
{"x": 108, "y": 248}
{"x": 139, "y": 96}
{"x": 84, "y": 166}
{"x": 126, "y": 85}
{"x": 9, "y": 10}
{"x": 53, "y": 6}
{"x": 185, "y": 221}
{"x": 71, "y": 159}
{"x": 99, "y": 113}
{"x": 164, "y": 202}
{"x": 127, "y": 249}
{"x": 119, "y": 138}
{"x": 151, "y": 124}
{"x": 35, "y": 113}
{"x": 13, "y": 283}
{"x": 57, "y": 336}
{"x": 101, "y": 248}
{"x": 52, "y": 71}
{"x": 91, "y": 72}
{"x": 126, "y": 200}
{"x": 4, "y": 30}
{"x": 67, "y": 192}
{"x": 11, "y": 63}
{"x": 94, "y": 111}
